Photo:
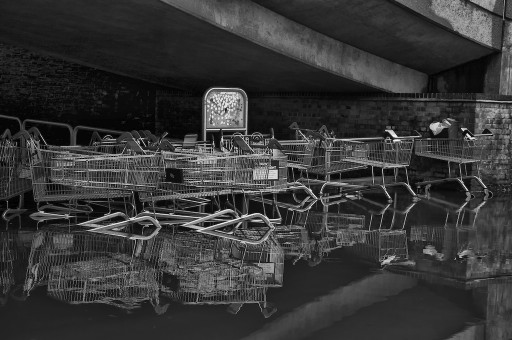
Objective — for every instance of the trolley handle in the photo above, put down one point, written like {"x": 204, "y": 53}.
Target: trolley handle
{"x": 356, "y": 139}
{"x": 312, "y": 133}
{"x": 468, "y": 134}
{"x": 34, "y": 131}
{"x": 136, "y": 134}
{"x": 392, "y": 134}
{"x": 6, "y": 134}
{"x": 95, "y": 138}
{"x": 151, "y": 136}
{"x": 126, "y": 136}
{"x": 22, "y": 133}
{"x": 109, "y": 229}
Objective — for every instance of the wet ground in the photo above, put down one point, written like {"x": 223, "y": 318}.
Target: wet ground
{"x": 438, "y": 268}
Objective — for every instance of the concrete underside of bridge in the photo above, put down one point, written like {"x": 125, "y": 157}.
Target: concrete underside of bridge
{"x": 316, "y": 46}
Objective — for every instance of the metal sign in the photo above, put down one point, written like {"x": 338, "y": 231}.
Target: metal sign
{"x": 226, "y": 109}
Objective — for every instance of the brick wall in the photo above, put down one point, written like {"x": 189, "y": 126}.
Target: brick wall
{"x": 42, "y": 87}
{"x": 365, "y": 116}
{"x": 178, "y": 113}
{"x": 497, "y": 117}
{"x": 369, "y": 116}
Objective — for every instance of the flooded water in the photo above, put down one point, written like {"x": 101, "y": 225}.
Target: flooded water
{"x": 437, "y": 268}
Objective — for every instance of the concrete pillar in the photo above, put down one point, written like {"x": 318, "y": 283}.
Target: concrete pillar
{"x": 498, "y": 78}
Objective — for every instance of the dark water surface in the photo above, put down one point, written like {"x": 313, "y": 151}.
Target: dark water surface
{"x": 439, "y": 268}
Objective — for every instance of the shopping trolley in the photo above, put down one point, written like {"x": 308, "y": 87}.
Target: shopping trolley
{"x": 14, "y": 169}
{"x": 343, "y": 227}
{"x": 68, "y": 176}
{"x": 115, "y": 277}
{"x": 308, "y": 134}
{"x": 292, "y": 233}
{"x": 391, "y": 152}
{"x": 458, "y": 233}
{"x": 193, "y": 175}
{"x": 81, "y": 267}
{"x": 316, "y": 160}
{"x": 382, "y": 246}
{"x": 8, "y": 258}
{"x": 468, "y": 150}
{"x": 384, "y": 239}
{"x": 201, "y": 269}
{"x": 294, "y": 241}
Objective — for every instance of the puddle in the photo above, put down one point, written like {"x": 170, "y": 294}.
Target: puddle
{"x": 441, "y": 265}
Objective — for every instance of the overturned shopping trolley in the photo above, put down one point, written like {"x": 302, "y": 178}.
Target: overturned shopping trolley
{"x": 200, "y": 269}
{"x": 81, "y": 267}
{"x": 116, "y": 276}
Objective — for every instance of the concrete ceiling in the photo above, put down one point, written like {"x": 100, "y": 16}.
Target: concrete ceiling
{"x": 412, "y": 36}
{"x": 149, "y": 40}
{"x": 155, "y": 42}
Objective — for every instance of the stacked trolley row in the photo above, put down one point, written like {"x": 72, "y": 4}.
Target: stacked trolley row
{"x": 327, "y": 156}
{"x": 201, "y": 175}
{"x": 65, "y": 175}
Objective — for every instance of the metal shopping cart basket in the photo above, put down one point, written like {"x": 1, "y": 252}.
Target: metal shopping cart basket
{"x": 464, "y": 151}
{"x": 199, "y": 175}
{"x": 346, "y": 229}
{"x": 316, "y": 159}
{"x": 382, "y": 246}
{"x": 199, "y": 269}
{"x": 14, "y": 169}
{"x": 115, "y": 279}
{"x": 81, "y": 267}
{"x": 8, "y": 257}
{"x": 392, "y": 152}
{"x": 64, "y": 176}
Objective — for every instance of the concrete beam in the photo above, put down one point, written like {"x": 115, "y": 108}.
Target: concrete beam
{"x": 279, "y": 34}
{"x": 325, "y": 311}
{"x": 477, "y": 20}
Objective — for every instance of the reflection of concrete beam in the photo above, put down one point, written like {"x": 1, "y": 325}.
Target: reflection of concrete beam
{"x": 475, "y": 21}
{"x": 331, "y": 308}
{"x": 275, "y": 32}
{"x": 473, "y": 332}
